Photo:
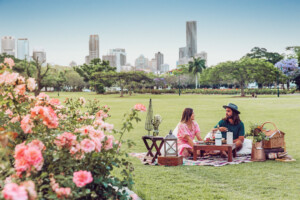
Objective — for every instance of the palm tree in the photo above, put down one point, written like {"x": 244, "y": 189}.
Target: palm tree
{"x": 196, "y": 66}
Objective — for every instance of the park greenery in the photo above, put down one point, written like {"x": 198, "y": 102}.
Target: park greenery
{"x": 266, "y": 69}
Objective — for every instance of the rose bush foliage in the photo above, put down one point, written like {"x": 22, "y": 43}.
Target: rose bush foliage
{"x": 52, "y": 150}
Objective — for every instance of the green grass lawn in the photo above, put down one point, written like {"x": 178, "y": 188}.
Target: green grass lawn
{"x": 256, "y": 180}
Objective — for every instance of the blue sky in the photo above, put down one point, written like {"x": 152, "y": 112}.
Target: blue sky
{"x": 227, "y": 29}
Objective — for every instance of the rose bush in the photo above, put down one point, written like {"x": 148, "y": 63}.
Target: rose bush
{"x": 55, "y": 151}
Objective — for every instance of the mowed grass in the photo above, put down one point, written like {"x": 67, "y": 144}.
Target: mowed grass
{"x": 256, "y": 180}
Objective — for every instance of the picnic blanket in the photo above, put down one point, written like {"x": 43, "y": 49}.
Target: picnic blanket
{"x": 215, "y": 161}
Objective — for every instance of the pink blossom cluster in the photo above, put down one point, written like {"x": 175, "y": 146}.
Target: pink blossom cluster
{"x": 14, "y": 79}
{"x": 8, "y": 78}
{"x": 101, "y": 114}
{"x": 140, "y": 107}
{"x": 97, "y": 137}
{"x": 103, "y": 125}
{"x": 47, "y": 114}
{"x": 65, "y": 140}
{"x": 13, "y": 191}
{"x": 28, "y": 156}
{"x": 61, "y": 192}
{"x": 82, "y": 178}
{"x": 10, "y": 62}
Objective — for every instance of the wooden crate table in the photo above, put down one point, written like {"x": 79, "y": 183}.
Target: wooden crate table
{"x": 229, "y": 148}
{"x": 153, "y": 140}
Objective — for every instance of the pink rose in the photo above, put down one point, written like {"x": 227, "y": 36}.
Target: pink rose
{"x": 33, "y": 156}
{"x": 12, "y": 191}
{"x": 30, "y": 187}
{"x": 11, "y": 78}
{"x": 48, "y": 115}
{"x": 37, "y": 144}
{"x": 81, "y": 178}
{"x": 20, "y": 89}
{"x": 65, "y": 140}
{"x": 9, "y": 113}
{"x": 109, "y": 142}
{"x": 87, "y": 145}
{"x": 15, "y": 119}
{"x": 31, "y": 84}
{"x": 140, "y": 107}
{"x": 55, "y": 102}
{"x": 26, "y": 124}
{"x": 10, "y": 62}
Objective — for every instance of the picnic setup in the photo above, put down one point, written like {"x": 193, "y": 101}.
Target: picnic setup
{"x": 223, "y": 145}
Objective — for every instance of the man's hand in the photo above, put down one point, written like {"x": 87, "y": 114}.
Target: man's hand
{"x": 223, "y": 129}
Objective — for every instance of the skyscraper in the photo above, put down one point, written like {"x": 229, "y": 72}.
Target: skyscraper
{"x": 182, "y": 52}
{"x": 141, "y": 63}
{"x": 23, "y": 49}
{"x": 120, "y": 57}
{"x": 159, "y": 57}
{"x": 8, "y": 45}
{"x": 191, "y": 38}
{"x": 112, "y": 60}
{"x": 93, "y": 47}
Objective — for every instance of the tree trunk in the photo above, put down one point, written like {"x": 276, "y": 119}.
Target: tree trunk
{"x": 122, "y": 92}
{"x": 242, "y": 90}
{"x": 288, "y": 84}
{"x": 196, "y": 80}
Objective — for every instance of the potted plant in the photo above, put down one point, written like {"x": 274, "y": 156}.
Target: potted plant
{"x": 258, "y": 153}
{"x": 156, "y": 122}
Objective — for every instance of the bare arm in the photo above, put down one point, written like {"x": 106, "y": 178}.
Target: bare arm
{"x": 239, "y": 140}
{"x": 199, "y": 136}
{"x": 189, "y": 140}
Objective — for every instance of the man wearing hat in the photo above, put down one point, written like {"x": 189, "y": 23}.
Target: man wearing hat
{"x": 232, "y": 123}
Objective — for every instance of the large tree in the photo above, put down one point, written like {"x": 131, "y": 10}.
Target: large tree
{"x": 262, "y": 53}
{"x": 196, "y": 67}
{"x": 296, "y": 51}
{"x": 241, "y": 72}
{"x": 96, "y": 66}
{"x": 123, "y": 78}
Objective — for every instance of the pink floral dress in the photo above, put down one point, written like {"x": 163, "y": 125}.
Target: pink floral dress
{"x": 184, "y": 130}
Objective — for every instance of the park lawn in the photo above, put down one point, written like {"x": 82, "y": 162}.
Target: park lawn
{"x": 256, "y": 180}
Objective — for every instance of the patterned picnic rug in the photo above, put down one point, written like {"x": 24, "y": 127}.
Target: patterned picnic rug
{"x": 215, "y": 161}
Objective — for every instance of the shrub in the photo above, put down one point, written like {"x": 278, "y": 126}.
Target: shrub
{"x": 55, "y": 151}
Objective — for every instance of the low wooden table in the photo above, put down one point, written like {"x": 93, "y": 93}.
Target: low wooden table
{"x": 153, "y": 140}
{"x": 229, "y": 148}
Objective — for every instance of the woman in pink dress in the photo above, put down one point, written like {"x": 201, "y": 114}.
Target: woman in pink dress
{"x": 187, "y": 130}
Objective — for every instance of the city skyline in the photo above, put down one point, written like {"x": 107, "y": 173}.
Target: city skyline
{"x": 225, "y": 30}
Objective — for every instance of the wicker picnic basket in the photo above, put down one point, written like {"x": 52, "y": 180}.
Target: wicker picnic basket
{"x": 276, "y": 137}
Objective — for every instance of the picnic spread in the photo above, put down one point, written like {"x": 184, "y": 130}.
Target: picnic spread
{"x": 225, "y": 144}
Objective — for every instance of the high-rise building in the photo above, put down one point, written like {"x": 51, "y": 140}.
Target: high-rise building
{"x": 141, "y": 63}
{"x": 87, "y": 60}
{"x": 112, "y": 59}
{"x": 8, "y": 45}
{"x": 120, "y": 57}
{"x": 164, "y": 68}
{"x": 159, "y": 57}
{"x": 39, "y": 56}
{"x": 153, "y": 65}
{"x": 93, "y": 47}
{"x": 182, "y": 52}
{"x": 191, "y": 38}
{"x": 23, "y": 49}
